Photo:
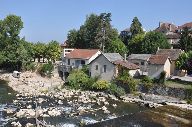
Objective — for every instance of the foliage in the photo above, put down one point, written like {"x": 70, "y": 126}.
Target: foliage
{"x": 96, "y": 33}
{"x": 101, "y": 85}
{"x": 152, "y": 41}
{"x": 127, "y": 81}
{"x": 85, "y": 69}
{"x": 185, "y": 42}
{"x": 53, "y": 51}
{"x": 13, "y": 53}
{"x": 46, "y": 69}
{"x": 134, "y": 45}
{"x": 184, "y": 62}
{"x": 77, "y": 79}
{"x": 116, "y": 90}
{"x": 147, "y": 82}
{"x": 117, "y": 46}
{"x": 30, "y": 66}
{"x": 136, "y": 27}
{"x": 161, "y": 79}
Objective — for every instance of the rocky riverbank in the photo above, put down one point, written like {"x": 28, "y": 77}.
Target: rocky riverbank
{"x": 54, "y": 100}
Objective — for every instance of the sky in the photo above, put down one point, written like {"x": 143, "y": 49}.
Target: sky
{"x": 46, "y": 20}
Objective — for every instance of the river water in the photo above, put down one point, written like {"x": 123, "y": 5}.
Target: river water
{"x": 7, "y": 95}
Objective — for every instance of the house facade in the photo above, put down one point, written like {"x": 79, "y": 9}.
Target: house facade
{"x": 141, "y": 60}
{"x": 173, "y": 55}
{"x": 158, "y": 64}
{"x": 79, "y": 57}
{"x": 107, "y": 66}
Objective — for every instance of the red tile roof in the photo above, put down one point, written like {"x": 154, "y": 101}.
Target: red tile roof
{"x": 172, "y": 53}
{"x": 165, "y": 27}
{"x": 128, "y": 65}
{"x": 82, "y": 53}
{"x": 189, "y": 25}
{"x": 158, "y": 59}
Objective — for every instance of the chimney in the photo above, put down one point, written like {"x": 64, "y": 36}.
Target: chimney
{"x": 160, "y": 23}
{"x": 125, "y": 57}
{"x": 169, "y": 27}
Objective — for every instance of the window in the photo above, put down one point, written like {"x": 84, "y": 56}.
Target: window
{"x": 89, "y": 73}
{"x": 105, "y": 68}
{"x": 68, "y": 61}
{"x": 82, "y": 62}
{"x": 96, "y": 67}
{"x": 142, "y": 63}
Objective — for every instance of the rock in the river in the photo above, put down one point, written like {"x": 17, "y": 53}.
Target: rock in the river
{"x": 29, "y": 125}
{"x": 16, "y": 124}
{"x": 25, "y": 113}
{"x": 54, "y": 112}
{"x": 60, "y": 102}
{"x": 104, "y": 108}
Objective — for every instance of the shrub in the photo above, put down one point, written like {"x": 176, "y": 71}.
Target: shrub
{"x": 77, "y": 79}
{"x": 90, "y": 82}
{"x": 116, "y": 90}
{"x": 30, "y": 67}
{"x": 46, "y": 69}
{"x": 162, "y": 77}
{"x": 101, "y": 85}
{"x": 128, "y": 83}
{"x": 147, "y": 82}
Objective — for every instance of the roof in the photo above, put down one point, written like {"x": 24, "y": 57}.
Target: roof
{"x": 126, "y": 64}
{"x": 172, "y": 53}
{"x": 189, "y": 25}
{"x": 82, "y": 53}
{"x": 139, "y": 56}
{"x": 127, "y": 30}
{"x": 113, "y": 56}
{"x": 158, "y": 59}
{"x": 164, "y": 27}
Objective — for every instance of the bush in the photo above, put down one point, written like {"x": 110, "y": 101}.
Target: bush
{"x": 116, "y": 90}
{"x": 147, "y": 82}
{"x": 46, "y": 69}
{"x": 90, "y": 82}
{"x": 77, "y": 79}
{"x": 30, "y": 67}
{"x": 128, "y": 83}
{"x": 162, "y": 77}
{"x": 101, "y": 85}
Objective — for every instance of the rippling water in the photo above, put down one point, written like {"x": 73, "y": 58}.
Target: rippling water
{"x": 65, "y": 120}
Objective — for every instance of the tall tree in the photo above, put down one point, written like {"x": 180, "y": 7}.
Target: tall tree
{"x": 134, "y": 45}
{"x": 185, "y": 41}
{"x": 53, "y": 51}
{"x": 96, "y": 32}
{"x": 136, "y": 27}
{"x": 152, "y": 41}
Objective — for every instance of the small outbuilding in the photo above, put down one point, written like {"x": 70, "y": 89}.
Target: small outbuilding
{"x": 16, "y": 74}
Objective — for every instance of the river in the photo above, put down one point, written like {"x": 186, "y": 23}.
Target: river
{"x": 7, "y": 95}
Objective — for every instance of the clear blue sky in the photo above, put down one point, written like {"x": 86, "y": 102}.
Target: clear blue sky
{"x": 46, "y": 20}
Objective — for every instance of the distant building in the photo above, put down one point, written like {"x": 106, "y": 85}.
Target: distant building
{"x": 188, "y": 25}
{"x": 171, "y": 32}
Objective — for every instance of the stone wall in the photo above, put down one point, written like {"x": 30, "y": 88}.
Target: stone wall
{"x": 167, "y": 91}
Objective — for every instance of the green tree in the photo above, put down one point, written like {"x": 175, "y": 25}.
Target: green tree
{"x": 95, "y": 33}
{"x": 152, "y": 41}
{"x": 11, "y": 46}
{"x": 53, "y": 51}
{"x": 135, "y": 43}
{"x": 136, "y": 27}
{"x": 185, "y": 41}
{"x": 117, "y": 46}
{"x": 40, "y": 50}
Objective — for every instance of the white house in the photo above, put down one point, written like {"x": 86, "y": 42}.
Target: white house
{"x": 158, "y": 64}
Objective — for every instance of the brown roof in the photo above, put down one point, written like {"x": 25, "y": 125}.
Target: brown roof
{"x": 128, "y": 65}
{"x": 172, "y": 53}
{"x": 189, "y": 25}
{"x": 158, "y": 59}
{"x": 82, "y": 53}
{"x": 165, "y": 27}
{"x": 64, "y": 44}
